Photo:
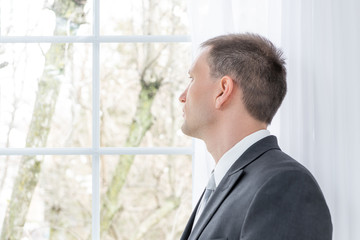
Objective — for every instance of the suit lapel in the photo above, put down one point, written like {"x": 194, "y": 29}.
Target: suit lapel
{"x": 215, "y": 201}
{"x": 226, "y": 185}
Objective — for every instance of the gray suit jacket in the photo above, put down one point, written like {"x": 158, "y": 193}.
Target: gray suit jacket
{"x": 265, "y": 195}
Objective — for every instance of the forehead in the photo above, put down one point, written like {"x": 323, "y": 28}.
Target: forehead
{"x": 200, "y": 63}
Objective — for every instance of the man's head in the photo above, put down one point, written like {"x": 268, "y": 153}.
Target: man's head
{"x": 255, "y": 65}
{"x": 249, "y": 62}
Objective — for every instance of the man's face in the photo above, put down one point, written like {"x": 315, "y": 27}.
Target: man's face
{"x": 199, "y": 98}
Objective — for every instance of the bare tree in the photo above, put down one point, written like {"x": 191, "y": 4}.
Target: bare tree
{"x": 151, "y": 79}
{"x": 69, "y": 17}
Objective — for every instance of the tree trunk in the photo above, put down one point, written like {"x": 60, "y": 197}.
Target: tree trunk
{"x": 46, "y": 98}
{"x": 141, "y": 123}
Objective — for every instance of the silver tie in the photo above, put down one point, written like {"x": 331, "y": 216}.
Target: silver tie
{"x": 210, "y": 188}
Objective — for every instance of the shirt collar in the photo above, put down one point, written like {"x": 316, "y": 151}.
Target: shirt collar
{"x": 228, "y": 159}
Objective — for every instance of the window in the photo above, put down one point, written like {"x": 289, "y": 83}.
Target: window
{"x": 90, "y": 144}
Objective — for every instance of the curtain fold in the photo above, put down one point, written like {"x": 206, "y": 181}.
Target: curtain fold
{"x": 319, "y": 121}
{"x": 321, "y": 113}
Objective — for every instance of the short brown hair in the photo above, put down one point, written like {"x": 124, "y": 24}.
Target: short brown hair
{"x": 256, "y": 65}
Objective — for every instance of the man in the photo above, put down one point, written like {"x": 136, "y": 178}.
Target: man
{"x": 256, "y": 192}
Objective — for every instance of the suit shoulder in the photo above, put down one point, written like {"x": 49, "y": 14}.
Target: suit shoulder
{"x": 276, "y": 165}
{"x": 287, "y": 189}
{"x": 277, "y": 161}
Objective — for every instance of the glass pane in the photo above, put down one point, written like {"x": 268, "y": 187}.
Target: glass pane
{"x": 45, "y": 197}
{"x": 44, "y": 17}
{"x": 143, "y": 17}
{"x": 140, "y": 86}
{"x": 45, "y": 98}
{"x": 145, "y": 197}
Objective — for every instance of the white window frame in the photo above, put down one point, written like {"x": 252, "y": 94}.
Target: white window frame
{"x": 96, "y": 150}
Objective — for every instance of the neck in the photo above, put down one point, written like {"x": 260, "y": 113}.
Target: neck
{"x": 222, "y": 140}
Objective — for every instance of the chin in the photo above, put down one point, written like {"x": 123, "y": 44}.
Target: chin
{"x": 184, "y": 130}
{"x": 188, "y": 131}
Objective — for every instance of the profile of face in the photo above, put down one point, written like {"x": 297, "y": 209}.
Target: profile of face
{"x": 199, "y": 98}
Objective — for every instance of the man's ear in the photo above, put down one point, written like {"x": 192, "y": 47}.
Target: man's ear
{"x": 226, "y": 87}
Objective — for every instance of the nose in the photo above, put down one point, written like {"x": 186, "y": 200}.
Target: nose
{"x": 182, "y": 97}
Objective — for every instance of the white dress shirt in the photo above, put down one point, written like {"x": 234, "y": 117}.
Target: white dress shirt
{"x": 228, "y": 159}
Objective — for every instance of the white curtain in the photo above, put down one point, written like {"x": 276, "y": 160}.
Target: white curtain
{"x": 319, "y": 121}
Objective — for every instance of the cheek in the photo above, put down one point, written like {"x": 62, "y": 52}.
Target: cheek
{"x": 191, "y": 94}
{"x": 199, "y": 96}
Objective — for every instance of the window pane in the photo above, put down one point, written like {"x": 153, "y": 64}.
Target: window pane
{"x": 145, "y": 197}
{"x": 51, "y": 195}
{"x": 143, "y": 17}
{"x": 45, "y": 98}
{"x": 43, "y": 17}
{"x": 140, "y": 86}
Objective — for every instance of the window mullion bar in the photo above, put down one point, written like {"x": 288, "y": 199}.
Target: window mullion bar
{"x": 100, "y": 151}
{"x": 46, "y": 151}
{"x": 46, "y": 39}
{"x": 91, "y": 39}
{"x": 96, "y": 124}
{"x": 147, "y": 151}
{"x": 145, "y": 38}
